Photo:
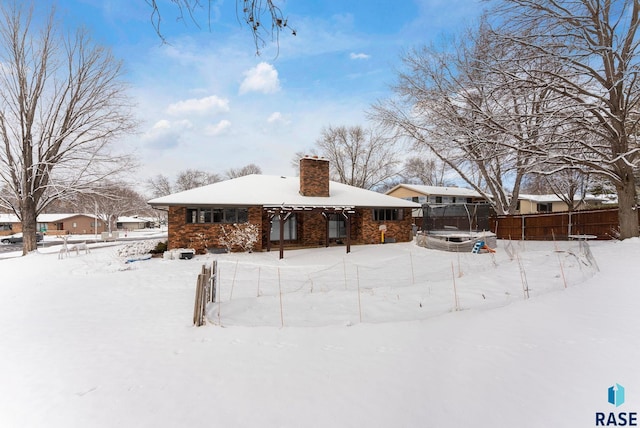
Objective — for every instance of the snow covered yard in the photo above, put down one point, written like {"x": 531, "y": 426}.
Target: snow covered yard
{"x": 92, "y": 341}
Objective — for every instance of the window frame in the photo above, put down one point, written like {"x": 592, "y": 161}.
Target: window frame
{"x": 388, "y": 214}
{"x": 216, "y": 215}
{"x": 290, "y": 229}
{"x": 339, "y": 230}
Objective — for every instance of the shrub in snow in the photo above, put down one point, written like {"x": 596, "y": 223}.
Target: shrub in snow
{"x": 137, "y": 248}
{"x": 240, "y": 237}
{"x": 160, "y": 248}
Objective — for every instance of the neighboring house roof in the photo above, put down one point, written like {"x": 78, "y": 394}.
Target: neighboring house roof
{"x": 9, "y": 218}
{"x": 439, "y": 190}
{"x": 276, "y": 191}
{"x": 53, "y": 218}
{"x": 126, "y": 219}
{"x": 42, "y": 218}
{"x": 556, "y": 198}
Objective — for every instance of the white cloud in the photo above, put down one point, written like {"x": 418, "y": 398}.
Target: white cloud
{"x": 262, "y": 78}
{"x": 354, "y": 55}
{"x": 212, "y": 104}
{"x": 165, "y": 134}
{"x": 218, "y": 128}
{"x": 278, "y": 118}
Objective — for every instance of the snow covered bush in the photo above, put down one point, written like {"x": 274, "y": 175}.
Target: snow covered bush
{"x": 137, "y": 248}
{"x": 240, "y": 237}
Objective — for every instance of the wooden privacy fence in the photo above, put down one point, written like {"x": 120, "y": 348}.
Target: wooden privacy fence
{"x": 205, "y": 292}
{"x": 603, "y": 224}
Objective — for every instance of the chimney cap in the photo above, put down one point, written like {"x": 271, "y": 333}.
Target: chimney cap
{"x": 315, "y": 157}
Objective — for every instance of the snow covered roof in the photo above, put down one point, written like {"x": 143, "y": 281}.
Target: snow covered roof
{"x": 556, "y": 198}
{"x": 275, "y": 191}
{"x": 439, "y": 190}
{"x": 127, "y": 219}
{"x": 42, "y": 218}
{"x": 52, "y": 218}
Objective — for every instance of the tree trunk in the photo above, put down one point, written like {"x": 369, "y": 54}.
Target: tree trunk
{"x": 29, "y": 225}
{"x": 627, "y": 208}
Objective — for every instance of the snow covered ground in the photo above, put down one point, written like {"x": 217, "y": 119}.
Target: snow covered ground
{"x": 386, "y": 336}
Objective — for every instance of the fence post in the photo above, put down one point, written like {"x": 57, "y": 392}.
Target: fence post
{"x": 213, "y": 281}
{"x": 205, "y": 292}
{"x": 198, "y": 307}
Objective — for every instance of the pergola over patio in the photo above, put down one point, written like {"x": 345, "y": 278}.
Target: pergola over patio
{"x": 283, "y": 212}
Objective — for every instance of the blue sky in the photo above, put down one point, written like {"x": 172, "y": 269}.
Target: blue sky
{"x": 205, "y": 100}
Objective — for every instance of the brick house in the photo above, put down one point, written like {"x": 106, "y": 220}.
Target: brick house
{"x": 55, "y": 224}
{"x": 312, "y": 210}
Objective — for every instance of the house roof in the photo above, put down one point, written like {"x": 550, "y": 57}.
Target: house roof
{"x": 439, "y": 190}
{"x": 556, "y": 198}
{"x": 128, "y": 219}
{"x": 42, "y": 218}
{"x": 276, "y": 191}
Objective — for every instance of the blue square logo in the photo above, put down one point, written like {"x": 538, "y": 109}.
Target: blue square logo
{"x": 616, "y": 395}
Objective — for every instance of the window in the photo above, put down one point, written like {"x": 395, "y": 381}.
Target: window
{"x": 217, "y": 215}
{"x": 545, "y": 207}
{"x": 388, "y": 214}
{"x": 438, "y": 199}
{"x": 289, "y": 229}
{"x": 337, "y": 226}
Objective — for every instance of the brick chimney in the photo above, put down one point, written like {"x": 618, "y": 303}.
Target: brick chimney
{"x": 314, "y": 176}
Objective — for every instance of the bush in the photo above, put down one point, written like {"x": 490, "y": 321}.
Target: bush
{"x": 240, "y": 237}
{"x": 160, "y": 248}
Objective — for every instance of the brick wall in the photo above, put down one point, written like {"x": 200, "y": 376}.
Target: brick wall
{"x": 311, "y": 229}
{"x": 314, "y": 176}
{"x": 202, "y": 236}
{"x": 400, "y": 230}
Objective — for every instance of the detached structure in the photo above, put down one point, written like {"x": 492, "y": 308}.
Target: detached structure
{"x": 305, "y": 211}
{"x": 534, "y": 204}
{"x": 55, "y": 224}
{"x": 434, "y": 196}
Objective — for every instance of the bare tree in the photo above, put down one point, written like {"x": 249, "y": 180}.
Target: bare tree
{"x": 359, "y": 157}
{"x": 263, "y": 17}
{"x": 161, "y": 185}
{"x": 597, "y": 42}
{"x": 424, "y": 170}
{"x": 192, "y": 178}
{"x": 61, "y": 105}
{"x": 110, "y": 201}
{"x": 467, "y": 108}
{"x": 570, "y": 185}
{"x": 241, "y": 172}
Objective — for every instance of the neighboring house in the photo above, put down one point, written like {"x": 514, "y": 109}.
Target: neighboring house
{"x": 312, "y": 210}
{"x": 534, "y": 204}
{"x": 423, "y": 194}
{"x": 55, "y": 224}
{"x": 434, "y": 195}
{"x": 7, "y": 223}
{"x": 133, "y": 223}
